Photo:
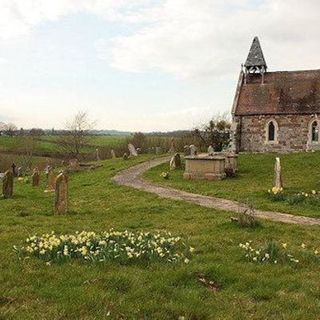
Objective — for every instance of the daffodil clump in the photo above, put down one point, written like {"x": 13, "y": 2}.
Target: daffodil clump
{"x": 277, "y": 194}
{"x": 270, "y": 253}
{"x": 108, "y": 246}
{"x": 165, "y": 175}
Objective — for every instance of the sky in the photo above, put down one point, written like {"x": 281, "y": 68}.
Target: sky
{"x": 142, "y": 65}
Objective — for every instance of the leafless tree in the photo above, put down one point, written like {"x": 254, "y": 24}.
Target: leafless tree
{"x": 10, "y": 129}
{"x": 74, "y": 139}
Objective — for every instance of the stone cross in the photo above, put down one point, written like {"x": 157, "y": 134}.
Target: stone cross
{"x": 210, "y": 150}
{"x": 61, "y": 194}
{"x": 132, "y": 149}
{"x": 113, "y": 154}
{"x": 277, "y": 182}
{"x": 35, "y": 177}
{"x": 175, "y": 162}
{"x": 193, "y": 150}
{"x": 50, "y": 181}
{"x": 97, "y": 154}
{"x": 7, "y": 185}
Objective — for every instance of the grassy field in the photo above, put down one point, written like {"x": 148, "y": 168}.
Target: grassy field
{"x": 48, "y": 143}
{"x": 30, "y": 289}
{"x": 301, "y": 173}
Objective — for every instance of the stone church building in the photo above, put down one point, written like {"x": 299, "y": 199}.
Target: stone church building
{"x": 275, "y": 111}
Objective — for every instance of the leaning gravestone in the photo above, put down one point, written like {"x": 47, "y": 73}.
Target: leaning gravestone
{"x": 113, "y": 154}
{"x": 50, "y": 181}
{"x": 35, "y": 177}
{"x": 175, "y": 162}
{"x": 7, "y": 184}
{"x": 193, "y": 150}
{"x": 210, "y": 151}
{"x": 277, "y": 182}
{"x": 132, "y": 149}
{"x": 61, "y": 194}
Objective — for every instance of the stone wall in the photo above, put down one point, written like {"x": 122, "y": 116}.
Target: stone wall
{"x": 293, "y": 133}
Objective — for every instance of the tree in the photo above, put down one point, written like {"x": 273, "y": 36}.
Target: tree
{"x": 74, "y": 138}
{"x": 215, "y": 133}
{"x": 138, "y": 140}
{"x": 10, "y": 129}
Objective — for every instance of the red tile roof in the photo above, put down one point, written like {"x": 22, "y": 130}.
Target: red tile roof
{"x": 285, "y": 92}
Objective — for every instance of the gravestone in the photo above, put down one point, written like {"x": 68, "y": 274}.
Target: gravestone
{"x": 158, "y": 150}
{"x": 113, "y": 154}
{"x": 193, "y": 150}
{"x": 277, "y": 182}
{"x": 73, "y": 165}
{"x": 97, "y": 154}
{"x": 50, "y": 180}
{"x": 172, "y": 146}
{"x": 132, "y": 150}
{"x": 61, "y": 194}
{"x": 14, "y": 171}
{"x": 186, "y": 150}
{"x": 175, "y": 162}
{"x": 125, "y": 156}
{"x": 210, "y": 151}
{"x": 19, "y": 172}
{"x": 7, "y": 185}
{"x": 35, "y": 177}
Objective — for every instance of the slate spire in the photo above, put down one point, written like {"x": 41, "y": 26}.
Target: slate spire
{"x": 255, "y": 61}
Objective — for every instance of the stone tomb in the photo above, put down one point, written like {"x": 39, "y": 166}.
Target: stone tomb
{"x": 204, "y": 166}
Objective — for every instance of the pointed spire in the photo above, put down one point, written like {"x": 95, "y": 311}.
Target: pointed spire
{"x": 255, "y": 61}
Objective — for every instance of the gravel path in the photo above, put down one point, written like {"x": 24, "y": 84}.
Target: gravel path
{"x": 132, "y": 177}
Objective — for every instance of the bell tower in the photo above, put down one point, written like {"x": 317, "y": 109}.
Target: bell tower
{"x": 255, "y": 62}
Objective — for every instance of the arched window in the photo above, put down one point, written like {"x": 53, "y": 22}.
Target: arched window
{"x": 271, "y": 131}
{"x": 314, "y": 132}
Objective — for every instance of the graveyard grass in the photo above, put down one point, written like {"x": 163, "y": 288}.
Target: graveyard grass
{"x": 30, "y": 289}
{"x": 256, "y": 171}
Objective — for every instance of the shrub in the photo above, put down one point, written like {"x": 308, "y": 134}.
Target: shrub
{"x": 246, "y": 218}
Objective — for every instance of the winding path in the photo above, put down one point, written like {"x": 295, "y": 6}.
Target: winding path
{"x": 132, "y": 177}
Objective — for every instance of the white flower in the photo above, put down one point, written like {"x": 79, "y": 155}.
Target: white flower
{"x": 186, "y": 260}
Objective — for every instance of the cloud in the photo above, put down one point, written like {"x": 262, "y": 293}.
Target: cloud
{"x": 195, "y": 39}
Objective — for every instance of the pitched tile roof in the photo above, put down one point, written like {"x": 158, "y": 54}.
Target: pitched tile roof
{"x": 288, "y": 92}
{"x": 255, "y": 57}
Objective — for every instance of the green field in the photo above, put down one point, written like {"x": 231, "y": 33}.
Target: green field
{"x": 30, "y": 289}
{"x": 48, "y": 143}
{"x": 301, "y": 173}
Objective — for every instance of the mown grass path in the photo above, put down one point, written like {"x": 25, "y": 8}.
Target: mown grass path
{"x": 132, "y": 177}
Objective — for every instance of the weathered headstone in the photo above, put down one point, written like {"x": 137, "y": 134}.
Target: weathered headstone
{"x": 186, "y": 150}
{"x": 132, "y": 150}
{"x": 193, "y": 150}
{"x": 20, "y": 172}
{"x": 158, "y": 150}
{"x": 210, "y": 150}
{"x": 172, "y": 146}
{"x": 50, "y": 181}
{"x": 175, "y": 162}
{"x": 35, "y": 177}
{"x": 14, "y": 171}
{"x": 277, "y": 174}
{"x": 61, "y": 194}
{"x": 97, "y": 154}
{"x": 113, "y": 154}
{"x": 7, "y": 185}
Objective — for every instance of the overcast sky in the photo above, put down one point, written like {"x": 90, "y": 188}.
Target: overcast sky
{"x": 142, "y": 64}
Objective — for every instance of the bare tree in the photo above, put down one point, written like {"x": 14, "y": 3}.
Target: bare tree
{"x": 74, "y": 139}
{"x": 10, "y": 129}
